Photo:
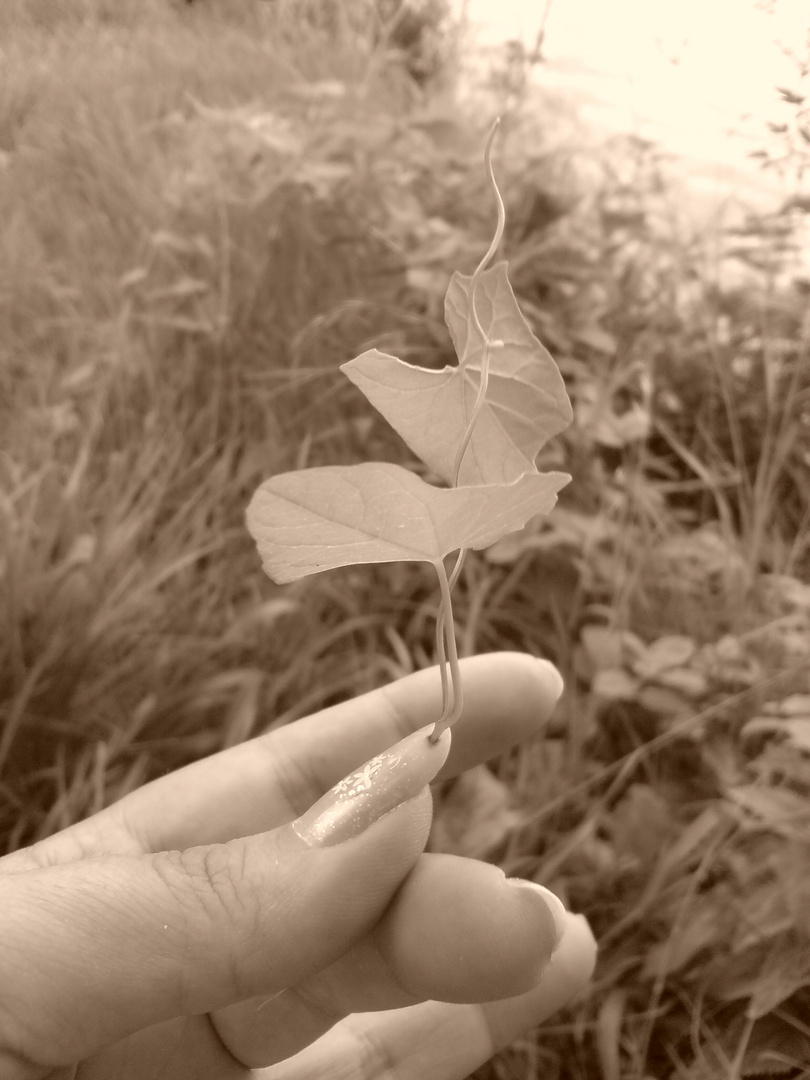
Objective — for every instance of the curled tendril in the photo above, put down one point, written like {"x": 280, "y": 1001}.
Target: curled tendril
{"x": 452, "y": 696}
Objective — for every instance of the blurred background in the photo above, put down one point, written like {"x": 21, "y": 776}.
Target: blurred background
{"x": 205, "y": 209}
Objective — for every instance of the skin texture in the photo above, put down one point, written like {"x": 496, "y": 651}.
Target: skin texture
{"x": 190, "y": 930}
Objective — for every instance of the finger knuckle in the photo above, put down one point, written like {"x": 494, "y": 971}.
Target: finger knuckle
{"x": 212, "y": 881}
{"x": 212, "y": 885}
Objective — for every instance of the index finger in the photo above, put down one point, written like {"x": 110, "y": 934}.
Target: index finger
{"x": 267, "y": 781}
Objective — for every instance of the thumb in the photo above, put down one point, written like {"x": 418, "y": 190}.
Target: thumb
{"x": 98, "y": 949}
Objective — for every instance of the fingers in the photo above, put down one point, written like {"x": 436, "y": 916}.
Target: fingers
{"x": 100, "y": 948}
{"x": 272, "y": 779}
{"x": 267, "y": 781}
{"x": 440, "y": 1041}
{"x": 457, "y": 931}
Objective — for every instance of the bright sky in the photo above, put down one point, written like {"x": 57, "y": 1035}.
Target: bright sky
{"x": 692, "y": 68}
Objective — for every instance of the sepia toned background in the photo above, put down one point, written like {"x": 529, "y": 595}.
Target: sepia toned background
{"x": 204, "y": 210}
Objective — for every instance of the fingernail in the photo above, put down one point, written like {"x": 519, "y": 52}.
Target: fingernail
{"x": 368, "y": 793}
{"x": 553, "y": 905}
{"x": 554, "y": 676}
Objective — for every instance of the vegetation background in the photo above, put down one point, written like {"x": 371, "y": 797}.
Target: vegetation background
{"x": 204, "y": 210}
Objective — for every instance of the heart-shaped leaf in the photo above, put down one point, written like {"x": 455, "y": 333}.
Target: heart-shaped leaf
{"x": 311, "y": 520}
{"x": 526, "y": 400}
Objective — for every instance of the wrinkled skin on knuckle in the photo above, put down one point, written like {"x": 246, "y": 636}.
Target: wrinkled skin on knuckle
{"x": 212, "y": 885}
{"x": 207, "y": 881}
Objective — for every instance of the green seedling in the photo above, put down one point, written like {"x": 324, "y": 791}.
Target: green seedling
{"x": 477, "y": 426}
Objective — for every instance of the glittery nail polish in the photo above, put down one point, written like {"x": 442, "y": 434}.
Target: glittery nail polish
{"x": 365, "y": 795}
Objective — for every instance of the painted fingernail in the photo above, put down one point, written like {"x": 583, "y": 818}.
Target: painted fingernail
{"x": 553, "y": 904}
{"x": 554, "y": 676}
{"x": 368, "y": 793}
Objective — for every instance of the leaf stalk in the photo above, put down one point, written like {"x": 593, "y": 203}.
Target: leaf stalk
{"x": 452, "y": 696}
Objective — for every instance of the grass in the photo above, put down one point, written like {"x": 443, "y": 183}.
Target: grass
{"x": 151, "y": 377}
{"x": 203, "y": 213}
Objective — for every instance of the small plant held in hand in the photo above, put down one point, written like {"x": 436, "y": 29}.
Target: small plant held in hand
{"x": 478, "y": 426}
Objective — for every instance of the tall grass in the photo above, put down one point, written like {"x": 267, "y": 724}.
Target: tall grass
{"x": 169, "y": 286}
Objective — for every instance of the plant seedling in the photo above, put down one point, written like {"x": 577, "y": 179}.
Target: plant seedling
{"x": 477, "y": 426}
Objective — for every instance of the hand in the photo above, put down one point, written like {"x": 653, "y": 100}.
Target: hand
{"x": 209, "y": 923}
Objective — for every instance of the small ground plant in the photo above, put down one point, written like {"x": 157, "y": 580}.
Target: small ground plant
{"x": 478, "y": 427}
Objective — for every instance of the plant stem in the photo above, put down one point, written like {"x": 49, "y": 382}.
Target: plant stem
{"x": 474, "y": 282}
{"x": 447, "y": 701}
{"x": 496, "y": 239}
{"x": 448, "y": 692}
{"x": 452, "y": 699}
{"x": 449, "y": 636}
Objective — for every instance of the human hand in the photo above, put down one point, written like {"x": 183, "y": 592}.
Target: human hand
{"x": 197, "y": 929}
